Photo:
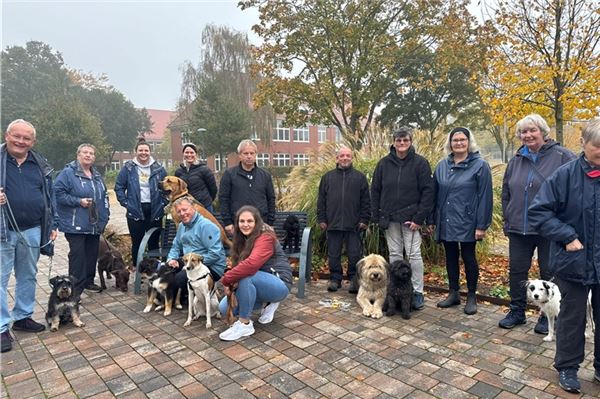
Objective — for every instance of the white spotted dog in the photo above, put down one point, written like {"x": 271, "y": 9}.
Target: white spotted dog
{"x": 545, "y": 295}
{"x": 202, "y": 293}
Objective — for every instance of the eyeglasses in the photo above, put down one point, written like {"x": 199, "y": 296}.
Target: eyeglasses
{"x": 402, "y": 140}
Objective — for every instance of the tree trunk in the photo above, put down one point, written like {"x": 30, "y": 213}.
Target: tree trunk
{"x": 559, "y": 120}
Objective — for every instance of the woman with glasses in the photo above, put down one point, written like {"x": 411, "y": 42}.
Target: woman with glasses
{"x": 82, "y": 206}
{"x": 463, "y": 212}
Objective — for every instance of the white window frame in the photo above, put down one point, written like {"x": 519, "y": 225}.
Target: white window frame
{"x": 301, "y": 134}
{"x": 217, "y": 162}
{"x": 281, "y": 133}
{"x": 115, "y": 165}
{"x": 322, "y": 134}
{"x": 301, "y": 159}
{"x": 281, "y": 159}
{"x": 263, "y": 159}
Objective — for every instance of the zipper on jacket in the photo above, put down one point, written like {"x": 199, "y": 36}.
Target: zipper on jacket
{"x": 343, "y": 193}
{"x": 528, "y": 185}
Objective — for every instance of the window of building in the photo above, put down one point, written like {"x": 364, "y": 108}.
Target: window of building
{"x": 322, "y": 133}
{"x": 115, "y": 165}
{"x": 301, "y": 134}
{"x": 217, "y": 163}
{"x": 282, "y": 133}
{"x": 281, "y": 159}
{"x": 338, "y": 134}
{"x": 301, "y": 159}
{"x": 262, "y": 160}
{"x": 254, "y": 134}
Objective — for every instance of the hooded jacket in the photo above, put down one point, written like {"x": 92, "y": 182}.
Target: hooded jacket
{"x": 240, "y": 187}
{"x": 70, "y": 187}
{"x": 200, "y": 182}
{"x": 567, "y": 207}
{"x": 463, "y": 198}
{"x": 49, "y": 220}
{"x": 523, "y": 178}
{"x": 402, "y": 189}
{"x": 343, "y": 200}
{"x": 128, "y": 193}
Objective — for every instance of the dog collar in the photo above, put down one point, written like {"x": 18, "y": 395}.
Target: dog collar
{"x": 199, "y": 278}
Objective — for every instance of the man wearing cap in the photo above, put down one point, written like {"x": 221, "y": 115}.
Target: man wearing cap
{"x": 402, "y": 194}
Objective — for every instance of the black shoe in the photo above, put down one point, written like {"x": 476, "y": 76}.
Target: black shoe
{"x": 28, "y": 325}
{"x": 471, "y": 306}
{"x": 512, "y": 319}
{"x": 541, "y": 327}
{"x": 567, "y": 379}
{"x": 353, "y": 288}
{"x": 94, "y": 287}
{"x": 452, "y": 299}
{"x": 333, "y": 285}
{"x": 5, "y": 341}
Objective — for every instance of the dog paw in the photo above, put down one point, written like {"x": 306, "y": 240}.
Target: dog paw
{"x": 187, "y": 323}
{"x": 217, "y": 315}
{"x": 159, "y": 308}
{"x": 167, "y": 313}
{"x": 208, "y": 324}
{"x": 79, "y": 324}
{"x": 366, "y": 312}
{"x": 406, "y": 316}
{"x": 54, "y": 328}
{"x": 147, "y": 309}
{"x": 377, "y": 314}
{"x": 390, "y": 313}
{"x": 178, "y": 306}
{"x": 548, "y": 338}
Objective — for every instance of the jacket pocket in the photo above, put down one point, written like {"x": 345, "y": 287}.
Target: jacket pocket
{"x": 570, "y": 265}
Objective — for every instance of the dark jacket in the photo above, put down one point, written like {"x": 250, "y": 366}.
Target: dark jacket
{"x": 402, "y": 189}
{"x": 463, "y": 198}
{"x": 49, "y": 219}
{"x": 568, "y": 207}
{"x": 239, "y": 188}
{"x": 343, "y": 200}
{"x": 127, "y": 189}
{"x": 201, "y": 183}
{"x": 70, "y": 187}
{"x": 522, "y": 180}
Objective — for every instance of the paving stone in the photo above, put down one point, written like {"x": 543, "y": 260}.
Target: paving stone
{"x": 285, "y": 383}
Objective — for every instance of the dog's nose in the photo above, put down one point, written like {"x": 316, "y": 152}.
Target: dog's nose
{"x": 375, "y": 275}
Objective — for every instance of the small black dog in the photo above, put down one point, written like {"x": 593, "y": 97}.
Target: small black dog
{"x": 162, "y": 288}
{"x": 400, "y": 290}
{"x": 63, "y": 305}
{"x": 291, "y": 226}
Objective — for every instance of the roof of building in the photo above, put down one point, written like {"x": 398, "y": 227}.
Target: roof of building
{"x": 160, "y": 121}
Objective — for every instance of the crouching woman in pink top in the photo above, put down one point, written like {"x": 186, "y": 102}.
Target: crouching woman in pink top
{"x": 261, "y": 272}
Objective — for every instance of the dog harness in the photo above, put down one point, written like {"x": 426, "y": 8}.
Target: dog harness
{"x": 191, "y": 287}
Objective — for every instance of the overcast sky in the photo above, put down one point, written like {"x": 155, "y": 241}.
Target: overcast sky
{"x": 139, "y": 45}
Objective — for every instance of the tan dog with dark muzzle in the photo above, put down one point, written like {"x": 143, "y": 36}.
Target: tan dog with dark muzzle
{"x": 177, "y": 188}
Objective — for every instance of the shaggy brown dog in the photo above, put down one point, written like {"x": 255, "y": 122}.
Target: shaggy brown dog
{"x": 372, "y": 271}
{"x": 176, "y": 188}
{"x": 111, "y": 263}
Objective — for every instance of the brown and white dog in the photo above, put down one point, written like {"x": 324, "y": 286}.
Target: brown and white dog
{"x": 202, "y": 292}
{"x": 372, "y": 271}
{"x": 111, "y": 263}
{"x": 176, "y": 188}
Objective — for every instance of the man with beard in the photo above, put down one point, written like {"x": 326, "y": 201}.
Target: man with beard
{"x": 343, "y": 210}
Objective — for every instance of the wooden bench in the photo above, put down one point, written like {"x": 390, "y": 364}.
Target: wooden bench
{"x": 304, "y": 256}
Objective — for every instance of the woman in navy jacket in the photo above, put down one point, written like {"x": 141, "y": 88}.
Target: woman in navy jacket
{"x": 138, "y": 190}
{"x": 82, "y": 206}
{"x": 566, "y": 211}
{"x": 463, "y": 211}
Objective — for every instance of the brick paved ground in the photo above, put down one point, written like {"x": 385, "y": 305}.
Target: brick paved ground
{"x": 309, "y": 351}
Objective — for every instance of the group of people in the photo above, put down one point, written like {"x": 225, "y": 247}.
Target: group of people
{"x": 550, "y": 204}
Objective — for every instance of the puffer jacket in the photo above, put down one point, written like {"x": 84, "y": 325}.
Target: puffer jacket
{"x": 200, "y": 182}
{"x": 402, "y": 189}
{"x": 70, "y": 187}
{"x": 127, "y": 189}
{"x": 50, "y": 219}
{"x": 567, "y": 207}
{"x": 523, "y": 178}
{"x": 463, "y": 198}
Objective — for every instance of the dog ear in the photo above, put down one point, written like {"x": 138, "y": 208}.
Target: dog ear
{"x": 182, "y": 185}
{"x": 53, "y": 281}
{"x": 546, "y": 285}
{"x": 359, "y": 266}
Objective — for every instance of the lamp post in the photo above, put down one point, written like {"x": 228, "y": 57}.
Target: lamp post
{"x": 201, "y": 131}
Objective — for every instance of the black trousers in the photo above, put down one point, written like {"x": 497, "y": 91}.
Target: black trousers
{"x": 83, "y": 255}
{"x": 520, "y": 250}
{"x": 570, "y": 324}
{"x": 335, "y": 241}
{"x": 137, "y": 229}
{"x": 467, "y": 252}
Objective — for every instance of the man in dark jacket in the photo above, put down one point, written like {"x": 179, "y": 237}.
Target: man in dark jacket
{"x": 246, "y": 184}
{"x": 566, "y": 211}
{"x": 27, "y": 225}
{"x": 402, "y": 194}
{"x": 343, "y": 211}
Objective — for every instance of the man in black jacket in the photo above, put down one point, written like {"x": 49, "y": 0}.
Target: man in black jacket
{"x": 343, "y": 210}
{"x": 402, "y": 193}
{"x": 246, "y": 184}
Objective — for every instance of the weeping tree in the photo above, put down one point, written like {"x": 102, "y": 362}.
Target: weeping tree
{"x": 216, "y": 94}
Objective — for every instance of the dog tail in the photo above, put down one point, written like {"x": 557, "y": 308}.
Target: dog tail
{"x": 231, "y": 304}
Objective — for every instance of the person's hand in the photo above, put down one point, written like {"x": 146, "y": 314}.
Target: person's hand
{"x": 574, "y": 245}
{"x": 362, "y": 226}
{"x": 479, "y": 234}
{"x": 229, "y": 229}
{"x": 323, "y": 226}
{"x": 85, "y": 202}
{"x": 53, "y": 235}
{"x": 2, "y": 196}
{"x": 412, "y": 226}
{"x": 173, "y": 263}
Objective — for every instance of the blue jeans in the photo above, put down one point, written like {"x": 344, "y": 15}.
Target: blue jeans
{"x": 21, "y": 254}
{"x": 254, "y": 291}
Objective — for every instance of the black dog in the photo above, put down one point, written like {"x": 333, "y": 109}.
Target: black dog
{"x": 148, "y": 267}
{"x": 111, "y": 263}
{"x": 291, "y": 226}
{"x": 162, "y": 288}
{"x": 400, "y": 290}
{"x": 63, "y": 305}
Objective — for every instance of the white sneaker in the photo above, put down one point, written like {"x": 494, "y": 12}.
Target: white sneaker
{"x": 266, "y": 316}
{"x": 237, "y": 331}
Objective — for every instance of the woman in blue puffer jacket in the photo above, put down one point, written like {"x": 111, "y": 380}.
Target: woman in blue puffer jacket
{"x": 83, "y": 211}
{"x": 463, "y": 211}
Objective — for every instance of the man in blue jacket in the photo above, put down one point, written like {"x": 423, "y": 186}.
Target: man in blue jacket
{"x": 27, "y": 225}
{"x": 567, "y": 212}
{"x": 343, "y": 211}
